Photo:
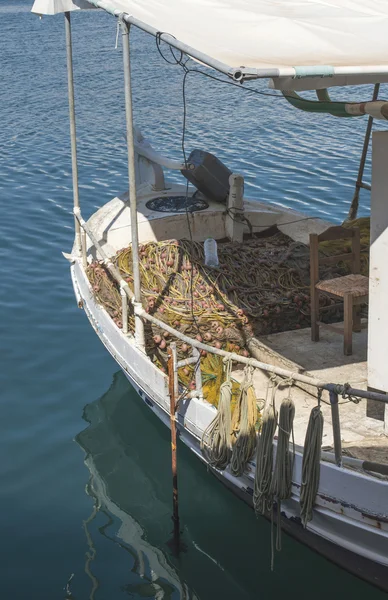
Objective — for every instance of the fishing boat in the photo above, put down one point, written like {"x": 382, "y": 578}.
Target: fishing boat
{"x": 315, "y": 453}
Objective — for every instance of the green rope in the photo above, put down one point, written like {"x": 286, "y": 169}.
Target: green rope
{"x": 281, "y": 484}
{"x": 282, "y": 474}
{"x": 262, "y": 496}
{"x": 311, "y": 464}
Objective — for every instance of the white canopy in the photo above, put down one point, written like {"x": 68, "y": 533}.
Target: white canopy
{"x": 295, "y": 37}
{"x": 54, "y": 7}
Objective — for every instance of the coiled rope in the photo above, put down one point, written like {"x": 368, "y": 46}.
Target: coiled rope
{"x": 311, "y": 464}
{"x": 245, "y": 415}
{"x": 282, "y": 474}
{"x": 216, "y": 442}
{"x": 281, "y": 484}
{"x": 262, "y": 497}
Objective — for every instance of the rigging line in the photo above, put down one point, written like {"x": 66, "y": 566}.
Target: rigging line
{"x": 286, "y": 223}
{"x": 179, "y": 61}
{"x": 236, "y": 85}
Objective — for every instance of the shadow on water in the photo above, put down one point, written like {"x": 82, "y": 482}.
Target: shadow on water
{"x": 228, "y": 550}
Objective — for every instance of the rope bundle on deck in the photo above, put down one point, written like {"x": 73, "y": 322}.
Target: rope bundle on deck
{"x": 260, "y": 287}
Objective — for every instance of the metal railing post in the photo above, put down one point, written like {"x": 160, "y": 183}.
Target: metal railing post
{"x": 335, "y": 419}
{"x": 139, "y": 326}
{"x": 73, "y": 133}
{"x": 172, "y": 391}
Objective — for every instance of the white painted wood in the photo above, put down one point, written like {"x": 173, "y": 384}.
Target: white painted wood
{"x": 378, "y": 273}
{"x": 233, "y": 226}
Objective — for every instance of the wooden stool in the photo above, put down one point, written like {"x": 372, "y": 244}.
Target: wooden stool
{"x": 352, "y": 288}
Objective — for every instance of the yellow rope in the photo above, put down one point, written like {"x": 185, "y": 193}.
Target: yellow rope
{"x": 244, "y": 425}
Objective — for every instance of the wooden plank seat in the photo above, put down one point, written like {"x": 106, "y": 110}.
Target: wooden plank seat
{"x": 352, "y": 288}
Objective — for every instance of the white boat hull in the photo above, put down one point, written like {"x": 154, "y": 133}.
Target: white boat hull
{"x": 350, "y": 521}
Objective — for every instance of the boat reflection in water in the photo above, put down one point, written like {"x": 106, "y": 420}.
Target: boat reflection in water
{"x": 120, "y": 486}
{"x": 128, "y": 455}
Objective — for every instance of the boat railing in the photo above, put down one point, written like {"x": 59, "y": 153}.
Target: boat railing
{"x": 335, "y": 390}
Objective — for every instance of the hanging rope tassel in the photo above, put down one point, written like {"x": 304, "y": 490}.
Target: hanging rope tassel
{"x": 262, "y": 496}
{"x": 215, "y": 443}
{"x": 282, "y": 475}
{"x": 311, "y": 466}
{"x": 281, "y": 484}
{"x": 245, "y": 444}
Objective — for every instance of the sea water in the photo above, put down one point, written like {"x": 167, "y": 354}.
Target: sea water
{"x": 85, "y": 481}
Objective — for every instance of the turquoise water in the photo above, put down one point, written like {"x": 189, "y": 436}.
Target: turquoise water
{"x": 99, "y": 530}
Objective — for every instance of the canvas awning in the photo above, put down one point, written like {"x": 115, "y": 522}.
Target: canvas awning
{"x": 286, "y": 38}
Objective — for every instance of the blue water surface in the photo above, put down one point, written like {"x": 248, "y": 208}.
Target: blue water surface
{"x": 85, "y": 495}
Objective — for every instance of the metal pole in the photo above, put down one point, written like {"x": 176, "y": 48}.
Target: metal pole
{"x": 73, "y": 135}
{"x": 139, "y": 326}
{"x": 172, "y": 392}
{"x": 359, "y": 183}
{"x": 335, "y": 419}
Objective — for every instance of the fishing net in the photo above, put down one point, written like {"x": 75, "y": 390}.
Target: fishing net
{"x": 261, "y": 287}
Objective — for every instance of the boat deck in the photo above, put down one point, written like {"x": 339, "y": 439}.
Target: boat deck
{"x": 363, "y": 437}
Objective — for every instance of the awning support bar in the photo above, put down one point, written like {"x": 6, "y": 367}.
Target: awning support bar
{"x": 139, "y": 326}
{"x": 73, "y": 133}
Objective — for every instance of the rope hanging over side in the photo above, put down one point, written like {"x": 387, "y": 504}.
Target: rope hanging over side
{"x": 215, "y": 443}
{"x": 281, "y": 484}
{"x": 246, "y": 414}
{"x": 311, "y": 467}
{"x": 282, "y": 475}
{"x": 262, "y": 497}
